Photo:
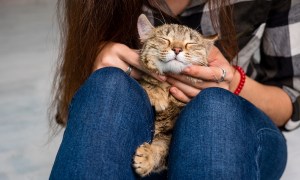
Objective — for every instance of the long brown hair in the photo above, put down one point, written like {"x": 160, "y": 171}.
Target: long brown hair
{"x": 222, "y": 18}
{"x": 85, "y": 27}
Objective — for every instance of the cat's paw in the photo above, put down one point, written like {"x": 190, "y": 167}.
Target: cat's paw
{"x": 160, "y": 104}
{"x": 143, "y": 161}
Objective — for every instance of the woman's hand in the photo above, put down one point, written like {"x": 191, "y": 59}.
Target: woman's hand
{"x": 120, "y": 56}
{"x": 184, "y": 88}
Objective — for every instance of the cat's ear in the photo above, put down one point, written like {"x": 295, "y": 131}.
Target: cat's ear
{"x": 144, "y": 27}
{"x": 210, "y": 40}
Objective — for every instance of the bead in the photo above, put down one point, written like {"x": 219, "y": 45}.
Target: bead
{"x": 242, "y": 80}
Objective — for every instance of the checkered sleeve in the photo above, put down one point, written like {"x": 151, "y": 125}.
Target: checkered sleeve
{"x": 280, "y": 51}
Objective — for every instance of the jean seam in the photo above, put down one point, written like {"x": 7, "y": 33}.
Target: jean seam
{"x": 259, "y": 148}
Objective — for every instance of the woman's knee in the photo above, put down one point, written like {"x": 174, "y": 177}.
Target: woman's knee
{"x": 109, "y": 94}
{"x": 216, "y": 119}
{"x": 211, "y": 126}
{"x": 108, "y": 85}
{"x": 213, "y": 107}
{"x": 112, "y": 80}
{"x": 220, "y": 125}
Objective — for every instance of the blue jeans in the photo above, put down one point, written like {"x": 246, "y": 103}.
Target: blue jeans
{"x": 218, "y": 135}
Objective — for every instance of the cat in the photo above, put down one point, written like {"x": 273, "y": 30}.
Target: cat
{"x": 165, "y": 49}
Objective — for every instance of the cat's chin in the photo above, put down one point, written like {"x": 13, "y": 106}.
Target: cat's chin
{"x": 173, "y": 66}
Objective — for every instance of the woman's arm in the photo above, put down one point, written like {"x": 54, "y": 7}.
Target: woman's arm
{"x": 271, "y": 100}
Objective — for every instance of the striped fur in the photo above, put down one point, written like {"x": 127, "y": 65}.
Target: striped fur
{"x": 166, "y": 49}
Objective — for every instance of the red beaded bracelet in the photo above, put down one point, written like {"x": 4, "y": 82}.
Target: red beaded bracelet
{"x": 242, "y": 80}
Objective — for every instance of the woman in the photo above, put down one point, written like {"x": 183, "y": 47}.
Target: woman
{"x": 228, "y": 129}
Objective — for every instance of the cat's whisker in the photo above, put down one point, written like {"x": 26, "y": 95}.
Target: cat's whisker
{"x": 165, "y": 22}
{"x": 198, "y": 27}
{"x": 201, "y": 63}
{"x": 138, "y": 51}
{"x": 193, "y": 80}
{"x": 209, "y": 58}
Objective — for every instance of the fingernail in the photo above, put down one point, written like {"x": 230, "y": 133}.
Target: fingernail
{"x": 173, "y": 90}
{"x": 186, "y": 70}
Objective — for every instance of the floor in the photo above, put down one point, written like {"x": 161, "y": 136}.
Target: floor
{"x": 28, "y": 48}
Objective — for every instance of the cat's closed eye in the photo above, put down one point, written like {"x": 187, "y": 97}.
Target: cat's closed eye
{"x": 189, "y": 44}
{"x": 165, "y": 40}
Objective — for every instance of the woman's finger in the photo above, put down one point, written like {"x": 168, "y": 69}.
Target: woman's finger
{"x": 133, "y": 72}
{"x": 211, "y": 73}
{"x": 179, "y": 95}
{"x": 195, "y": 82}
{"x": 185, "y": 88}
{"x": 129, "y": 55}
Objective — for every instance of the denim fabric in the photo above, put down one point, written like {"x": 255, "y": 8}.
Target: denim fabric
{"x": 110, "y": 116}
{"x": 217, "y": 136}
{"x": 222, "y": 136}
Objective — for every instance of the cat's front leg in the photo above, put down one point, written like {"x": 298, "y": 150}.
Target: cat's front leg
{"x": 143, "y": 160}
{"x": 151, "y": 157}
{"x": 158, "y": 94}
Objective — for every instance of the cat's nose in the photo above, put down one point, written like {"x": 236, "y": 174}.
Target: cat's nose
{"x": 177, "y": 50}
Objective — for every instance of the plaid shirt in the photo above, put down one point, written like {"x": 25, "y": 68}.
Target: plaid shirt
{"x": 268, "y": 37}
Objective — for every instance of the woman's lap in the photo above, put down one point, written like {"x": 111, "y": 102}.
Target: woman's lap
{"x": 218, "y": 134}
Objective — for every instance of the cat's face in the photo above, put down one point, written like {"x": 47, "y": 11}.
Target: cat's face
{"x": 171, "y": 47}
